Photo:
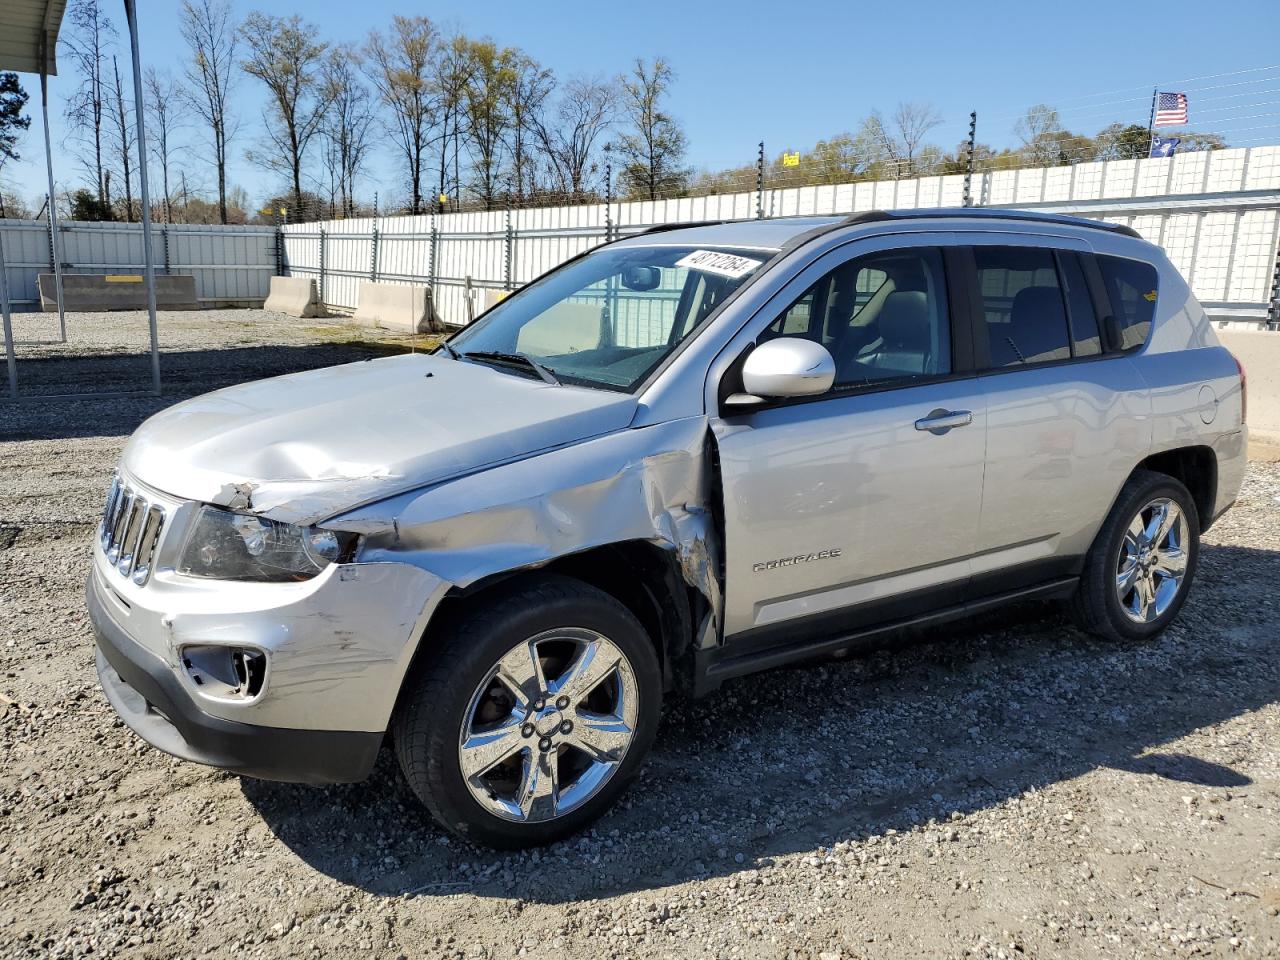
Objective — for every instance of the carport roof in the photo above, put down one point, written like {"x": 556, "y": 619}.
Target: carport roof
{"x": 27, "y": 29}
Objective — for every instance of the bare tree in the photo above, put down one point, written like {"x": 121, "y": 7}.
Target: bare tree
{"x": 87, "y": 41}
{"x": 450, "y": 77}
{"x": 913, "y": 121}
{"x": 654, "y": 146}
{"x": 347, "y": 126}
{"x": 1045, "y": 142}
{"x": 122, "y": 135}
{"x": 531, "y": 84}
{"x": 487, "y": 99}
{"x": 569, "y": 135}
{"x": 283, "y": 55}
{"x": 162, "y": 96}
{"x": 901, "y": 140}
{"x": 400, "y": 66}
{"x": 211, "y": 37}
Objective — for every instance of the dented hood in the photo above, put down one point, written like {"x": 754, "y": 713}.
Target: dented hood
{"x": 303, "y": 447}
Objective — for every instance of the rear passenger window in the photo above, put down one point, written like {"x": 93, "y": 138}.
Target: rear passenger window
{"x": 1022, "y": 301}
{"x": 1084, "y": 322}
{"x": 1131, "y": 285}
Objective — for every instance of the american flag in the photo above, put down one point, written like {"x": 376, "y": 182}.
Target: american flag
{"x": 1171, "y": 109}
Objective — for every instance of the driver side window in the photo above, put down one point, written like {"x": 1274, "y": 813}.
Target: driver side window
{"x": 883, "y": 317}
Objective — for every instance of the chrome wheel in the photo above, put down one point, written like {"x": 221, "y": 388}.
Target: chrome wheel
{"x": 1153, "y": 560}
{"x": 549, "y": 725}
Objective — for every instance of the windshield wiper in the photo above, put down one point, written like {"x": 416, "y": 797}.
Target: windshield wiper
{"x": 522, "y": 359}
{"x": 453, "y": 354}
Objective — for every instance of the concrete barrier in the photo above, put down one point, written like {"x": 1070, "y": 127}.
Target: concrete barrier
{"x": 1259, "y": 352}
{"x": 116, "y": 291}
{"x": 295, "y": 296}
{"x": 566, "y": 327}
{"x": 396, "y": 306}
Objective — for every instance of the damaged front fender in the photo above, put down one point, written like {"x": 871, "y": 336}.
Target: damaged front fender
{"x": 651, "y": 484}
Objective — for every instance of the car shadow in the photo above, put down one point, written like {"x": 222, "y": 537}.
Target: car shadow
{"x": 945, "y": 724}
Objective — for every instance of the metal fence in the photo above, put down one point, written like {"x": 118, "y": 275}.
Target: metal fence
{"x": 232, "y": 265}
{"x": 1216, "y": 213}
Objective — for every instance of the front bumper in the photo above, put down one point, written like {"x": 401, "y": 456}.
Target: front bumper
{"x": 153, "y": 702}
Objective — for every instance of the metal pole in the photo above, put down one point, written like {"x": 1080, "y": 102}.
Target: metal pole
{"x": 1273, "y": 308}
{"x": 55, "y": 243}
{"x": 10, "y": 360}
{"x": 1151, "y": 121}
{"x": 760, "y": 183}
{"x": 968, "y": 164}
{"x": 168, "y": 264}
{"x": 148, "y": 254}
{"x": 506, "y": 254}
{"x": 608, "y": 201}
{"x": 322, "y": 264}
{"x": 373, "y": 257}
{"x": 431, "y": 259}
{"x": 279, "y": 238}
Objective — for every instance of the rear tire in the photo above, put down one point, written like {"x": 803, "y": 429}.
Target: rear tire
{"x": 1139, "y": 570}
{"x": 534, "y": 714}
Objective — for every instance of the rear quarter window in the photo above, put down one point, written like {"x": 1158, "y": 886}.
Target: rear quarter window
{"x": 1131, "y": 286}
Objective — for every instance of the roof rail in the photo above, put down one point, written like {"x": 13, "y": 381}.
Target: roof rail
{"x": 992, "y": 213}
{"x": 664, "y": 227}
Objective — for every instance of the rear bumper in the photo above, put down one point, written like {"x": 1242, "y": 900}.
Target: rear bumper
{"x": 156, "y": 706}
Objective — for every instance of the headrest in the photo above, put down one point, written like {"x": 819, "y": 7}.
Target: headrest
{"x": 1037, "y": 308}
{"x": 904, "y": 320}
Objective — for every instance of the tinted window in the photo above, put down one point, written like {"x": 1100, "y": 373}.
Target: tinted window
{"x": 1022, "y": 302}
{"x": 883, "y": 317}
{"x": 1131, "y": 285}
{"x": 1084, "y": 323}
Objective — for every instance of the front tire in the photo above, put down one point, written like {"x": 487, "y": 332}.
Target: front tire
{"x": 1140, "y": 567}
{"x": 534, "y": 715}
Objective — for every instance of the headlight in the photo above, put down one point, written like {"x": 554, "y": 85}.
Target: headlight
{"x": 237, "y": 546}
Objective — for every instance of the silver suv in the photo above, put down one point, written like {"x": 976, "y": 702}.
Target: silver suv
{"x": 676, "y": 459}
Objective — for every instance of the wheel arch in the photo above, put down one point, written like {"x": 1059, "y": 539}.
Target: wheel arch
{"x": 644, "y": 577}
{"x": 1196, "y": 468}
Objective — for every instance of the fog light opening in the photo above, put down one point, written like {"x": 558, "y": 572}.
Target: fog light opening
{"x": 226, "y": 673}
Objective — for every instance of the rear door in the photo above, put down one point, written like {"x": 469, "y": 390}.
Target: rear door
{"x": 1066, "y": 418}
{"x": 862, "y": 504}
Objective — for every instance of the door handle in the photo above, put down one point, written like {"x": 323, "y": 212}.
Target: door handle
{"x": 940, "y": 421}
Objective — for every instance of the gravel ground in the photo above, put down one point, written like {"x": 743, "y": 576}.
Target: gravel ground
{"x": 1004, "y": 787}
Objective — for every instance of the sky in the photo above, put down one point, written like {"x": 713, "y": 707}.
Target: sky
{"x": 793, "y": 73}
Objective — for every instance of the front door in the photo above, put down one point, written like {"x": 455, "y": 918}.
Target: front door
{"x": 862, "y": 504}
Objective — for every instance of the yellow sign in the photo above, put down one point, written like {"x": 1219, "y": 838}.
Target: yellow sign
{"x": 123, "y": 278}
{"x": 791, "y": 159}
{"x": 1150, "y": 297}
{"x": 444, "y": 198}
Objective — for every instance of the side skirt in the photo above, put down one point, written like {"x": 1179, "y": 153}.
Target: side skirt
{"x": 712, "y": 667}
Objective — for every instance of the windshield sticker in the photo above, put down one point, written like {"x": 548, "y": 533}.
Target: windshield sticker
{"x": 722, "y": 264}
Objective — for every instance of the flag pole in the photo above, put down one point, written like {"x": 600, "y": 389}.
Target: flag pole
{"x": 1151, "y": 122}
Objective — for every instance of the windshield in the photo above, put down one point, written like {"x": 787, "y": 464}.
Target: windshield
{"x": 610, "y": 318}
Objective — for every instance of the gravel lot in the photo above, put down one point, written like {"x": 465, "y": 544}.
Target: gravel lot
{"x": 1004, "y": 787}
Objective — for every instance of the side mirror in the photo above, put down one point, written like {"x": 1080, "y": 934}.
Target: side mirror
{"x": 786, "y": 367}
{"x": 641, "y": 278}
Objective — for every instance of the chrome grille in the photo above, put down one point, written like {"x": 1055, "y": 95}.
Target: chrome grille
{"x": 130, "y": 531}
